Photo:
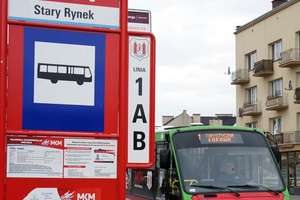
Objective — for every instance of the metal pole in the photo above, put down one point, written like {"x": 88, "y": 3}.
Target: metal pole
{"x": 3, "y": 77}
{"x": 123, "y": 99}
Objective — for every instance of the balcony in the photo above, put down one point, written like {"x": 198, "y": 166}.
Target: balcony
{"x": 290, "y": 58}
{"x": 297, "y": 95}
{"x": 291, "y": 137}
{"x": 276, "y": 102}
{"x": 240, "y": 76}
{"x": 250, "y": 110}
{"x": 263, "y": 68}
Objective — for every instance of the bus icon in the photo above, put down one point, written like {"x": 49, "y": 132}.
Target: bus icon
{"x": 56, "y": 72}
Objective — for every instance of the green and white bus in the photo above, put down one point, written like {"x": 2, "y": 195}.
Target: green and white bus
{"x": 210, "y": 163}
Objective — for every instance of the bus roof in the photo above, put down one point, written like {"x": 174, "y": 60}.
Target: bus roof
{"x": 160, "y": 135}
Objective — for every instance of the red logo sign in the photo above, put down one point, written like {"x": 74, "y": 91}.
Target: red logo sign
{"x": 139, "y": 48}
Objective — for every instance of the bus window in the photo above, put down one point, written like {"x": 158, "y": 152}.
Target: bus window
{"x": 79, "y": 71}
{"x": 52, "y": 69}
{"x": 62, "y": 69}
{"x": 87, "y": 73}
{"x": 224, "y": 159}
{"x": 43, "y": 68}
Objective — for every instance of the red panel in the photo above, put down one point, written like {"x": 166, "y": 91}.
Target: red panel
{"x": 111, "y": 84}
{"x": 17, "y": 189}
{"x": 114, "y": 189}
{"x": 109, "y": 188}
{"x": 108, "y": 3}
{"x": 15, "y": 78}
{"x": 3, "y": 86}
{"x": 123, "y": 96}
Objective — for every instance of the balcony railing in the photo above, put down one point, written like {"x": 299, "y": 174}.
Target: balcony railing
{"x": 276, "y": 102}
{"x": 290, "y": 58}
{"x": 297, "y": 95}
{"x": 279, "y": 138}
{"x": 249, "y": 109}
{"x": 291, "y": 137}
{"x": 263, "y": 68}
{"x": 240, "y": 76}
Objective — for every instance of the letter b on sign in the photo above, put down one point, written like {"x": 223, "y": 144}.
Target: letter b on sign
{"x": 139, "y": 140}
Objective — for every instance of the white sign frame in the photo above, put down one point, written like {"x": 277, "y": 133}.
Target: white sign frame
{"x": 139, "y": 100}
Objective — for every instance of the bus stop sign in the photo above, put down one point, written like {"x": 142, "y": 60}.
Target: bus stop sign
{"x": 61, "y": 120}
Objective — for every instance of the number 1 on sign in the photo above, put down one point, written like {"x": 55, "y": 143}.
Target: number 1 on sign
{"x": 139, "y": 81}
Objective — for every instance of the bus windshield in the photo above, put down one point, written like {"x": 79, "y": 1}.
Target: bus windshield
{"x": 240, "y": 161}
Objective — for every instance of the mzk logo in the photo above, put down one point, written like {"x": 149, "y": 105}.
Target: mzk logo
{"x": 78, "y": 196}
{"x": 139, "y": 48}
{"x": 86, "y": 196}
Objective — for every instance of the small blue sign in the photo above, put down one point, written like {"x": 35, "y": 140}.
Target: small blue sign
{"x": 63, "y": 87}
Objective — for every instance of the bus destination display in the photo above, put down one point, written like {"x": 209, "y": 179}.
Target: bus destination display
{"x": 220, "y": 138}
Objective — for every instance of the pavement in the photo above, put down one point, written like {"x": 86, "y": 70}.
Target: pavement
{"x": 131, "y": 197}
{"x": 137, "y": 198}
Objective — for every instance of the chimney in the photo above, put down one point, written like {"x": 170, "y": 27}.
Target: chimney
{"x": 196, "y": 118}
{"x": 216, "y": 122}
{"x": 166, "y": 119}
{"x": 276, "y": 3}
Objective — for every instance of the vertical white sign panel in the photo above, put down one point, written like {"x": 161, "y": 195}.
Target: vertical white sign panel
{"x": 138, "y": 100}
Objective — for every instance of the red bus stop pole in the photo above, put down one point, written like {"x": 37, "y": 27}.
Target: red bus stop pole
{"x": 3, "y": 55}
{"x": 123, "y": 99}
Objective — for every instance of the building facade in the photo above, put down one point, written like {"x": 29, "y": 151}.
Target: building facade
{"x": 267, "y": 80}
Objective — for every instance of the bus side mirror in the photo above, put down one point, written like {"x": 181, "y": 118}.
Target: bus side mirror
{"x": 276, "y": 153}
{"x": 164, "y": 161}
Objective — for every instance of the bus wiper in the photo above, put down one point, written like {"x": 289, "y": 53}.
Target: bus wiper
{"x": 254, "y": 186}
{"x": 216, "y": 187}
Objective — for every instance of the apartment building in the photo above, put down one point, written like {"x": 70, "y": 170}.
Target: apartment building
{"x": 267, "y": 80}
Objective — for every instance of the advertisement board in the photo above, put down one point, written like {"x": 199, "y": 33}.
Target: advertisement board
{"x": 139, "y": 20}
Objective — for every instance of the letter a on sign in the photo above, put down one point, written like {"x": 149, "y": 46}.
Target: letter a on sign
{"x": 139, "y": 114}
{"x": 139, "y": 100}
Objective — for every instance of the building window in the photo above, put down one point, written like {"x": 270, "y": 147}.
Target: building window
{"x": 251, "y": 60}
{"x": 251, "y": 125}
{"x": 276, "y": 88}
{"x": 275, "y": 125}
{"x": 251, "y": 95}
{"x": 290, "y": 168}
{"x": 298, "y": 122}
{"x": 297, "y": 40}
{"x": 297, "y": 85}
{"x": 276, "y": 50}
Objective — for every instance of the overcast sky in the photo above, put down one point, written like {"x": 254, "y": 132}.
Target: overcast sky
{"x": 195, "y": 45}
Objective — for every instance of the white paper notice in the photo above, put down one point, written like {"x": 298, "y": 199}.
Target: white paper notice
{"x": 85, "y": 158}
{"x": 34, "y": 157}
